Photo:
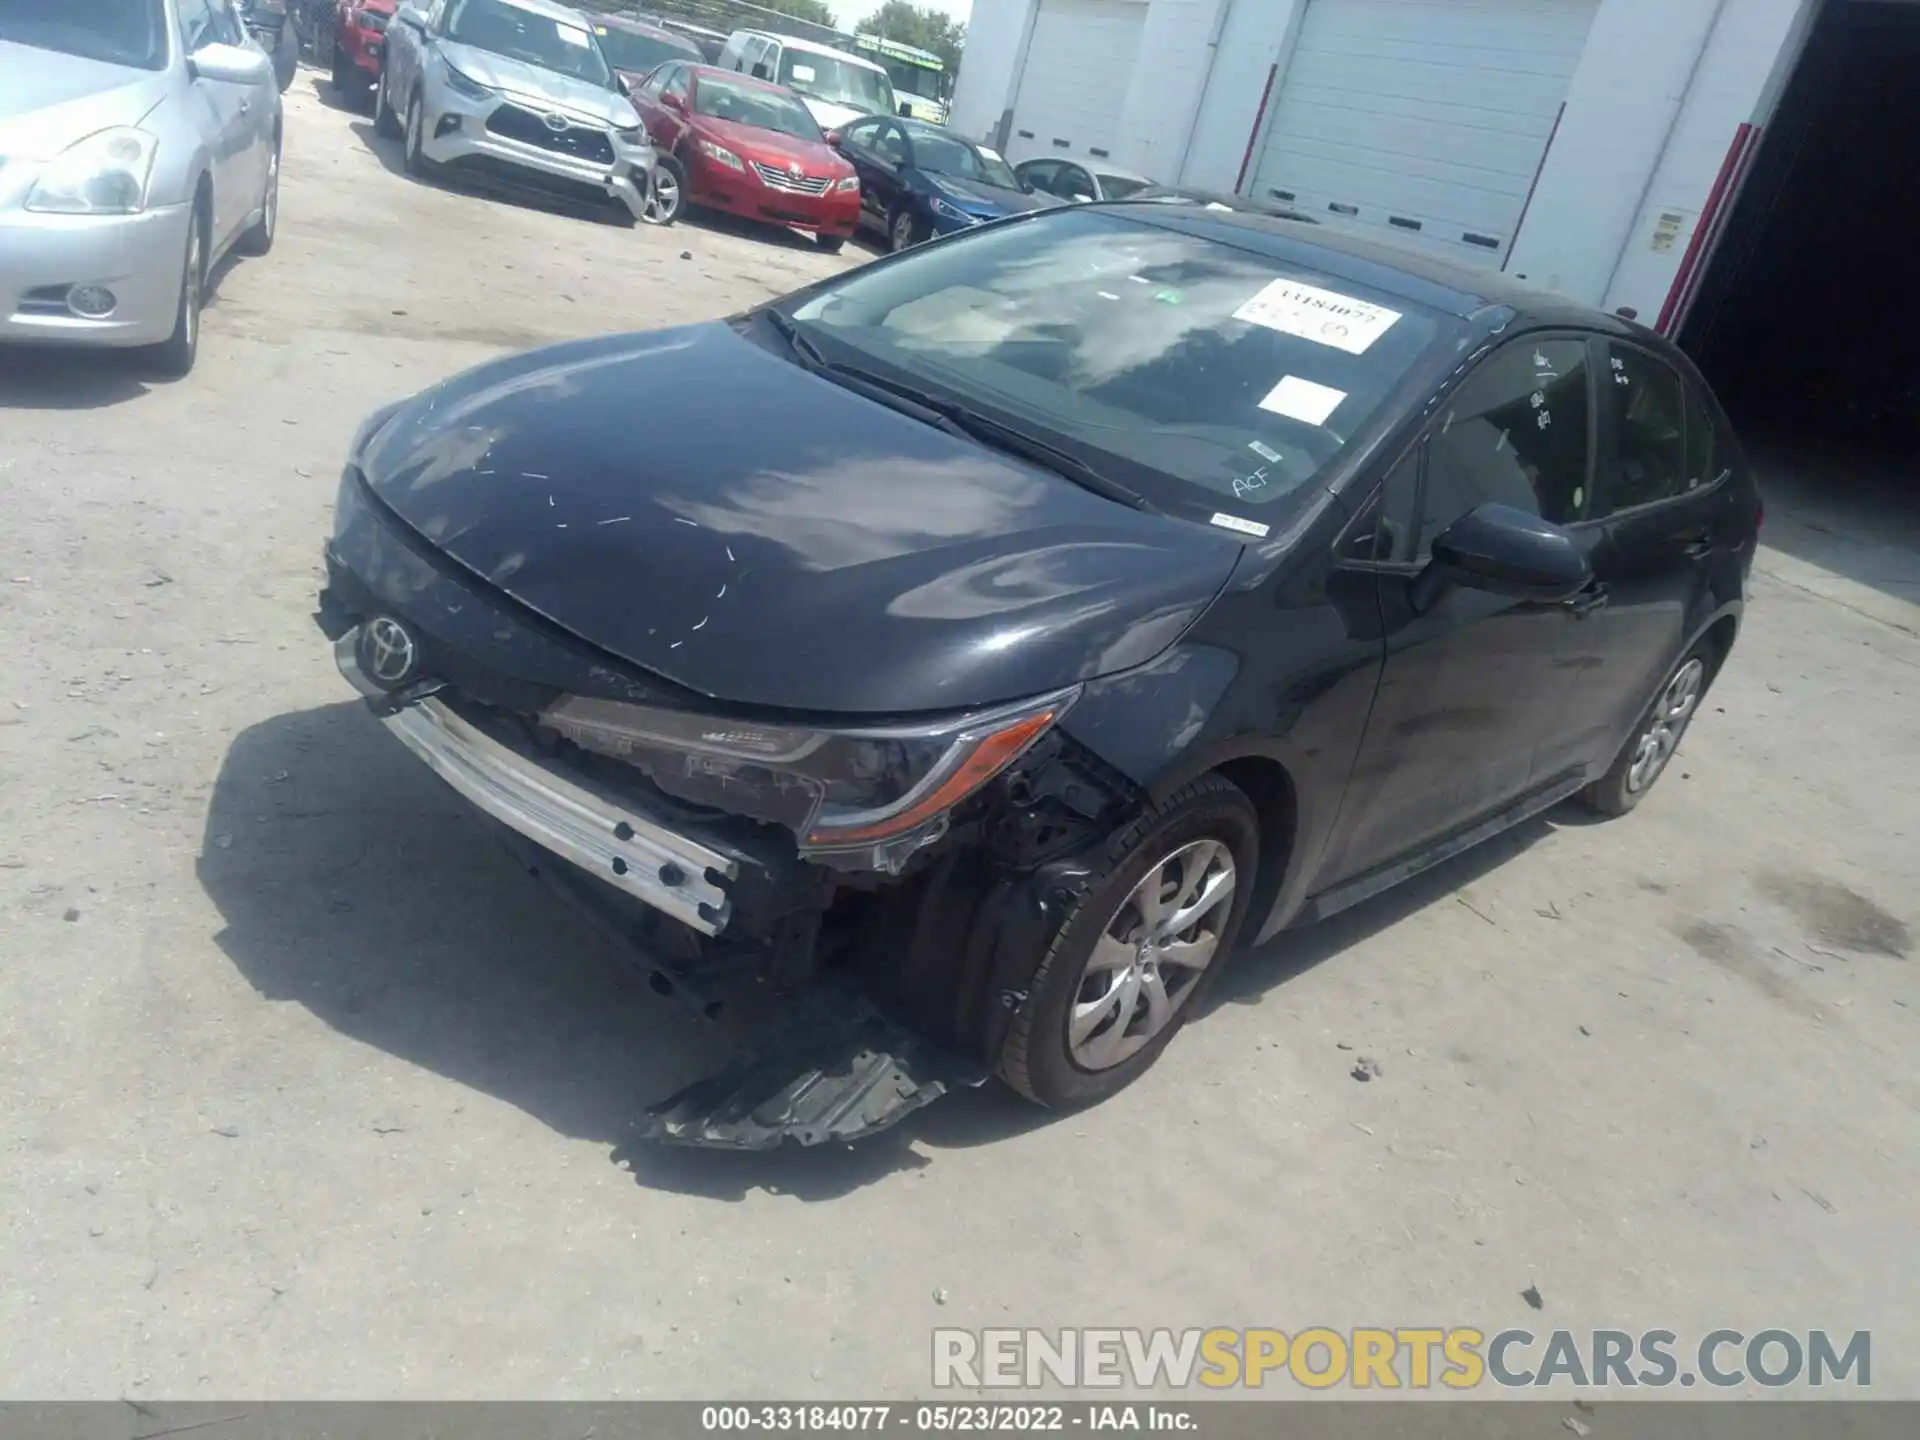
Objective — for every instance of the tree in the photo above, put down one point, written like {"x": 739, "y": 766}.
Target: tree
{"x": 918, "y": 25}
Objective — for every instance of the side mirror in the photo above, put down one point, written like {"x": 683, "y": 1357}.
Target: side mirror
{"x": 413, "y": 17}
{"x": 673, "y": 101}
{"x": 1504, "y": 551}
{"x": 1080, "y": 197}
{"x": 760, "y": 72}
{"x": 905, "y": 109}
{"x": 623, "y": 85}
{"x": 231, "y": 64}
{"x": 832, "y": 137}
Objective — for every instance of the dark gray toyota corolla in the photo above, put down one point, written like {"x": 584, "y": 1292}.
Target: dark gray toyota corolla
{"x": 978, "y": 645}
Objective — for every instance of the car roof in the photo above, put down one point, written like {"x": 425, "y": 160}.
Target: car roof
{"x": 720, "y": 72}
{"x": 553, "y": 11}
{"x": 637, "y": 25}
{"x": 813, "y": 47}
{"x": 1439, "y": 284}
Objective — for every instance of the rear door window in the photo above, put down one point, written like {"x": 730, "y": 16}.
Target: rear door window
{"x": 1643, "y": 408}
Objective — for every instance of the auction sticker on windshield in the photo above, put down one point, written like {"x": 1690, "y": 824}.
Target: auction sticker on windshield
{"x": 1325, "y": 317}
{"x": 1303, "y": 400}
{"x": 803, "y": 73}
{"x": 576, "y": 37}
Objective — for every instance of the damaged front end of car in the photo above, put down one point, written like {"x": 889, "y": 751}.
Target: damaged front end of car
{"x": 891, "y": 884}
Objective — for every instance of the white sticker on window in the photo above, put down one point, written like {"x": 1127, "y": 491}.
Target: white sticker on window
{"x": 1245, "y": 527}
{"x": 1299, "y": 399}
{"x": 1325, "y": 317}
{"x": 575, "y": 37}
{"x": 990, "y": 154}
{"x": 1266, "y": 453}
{"x": 802, "y": 73}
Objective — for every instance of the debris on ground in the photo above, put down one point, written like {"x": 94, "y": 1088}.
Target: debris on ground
{"x": 71, "y": 915}
{"x": 1366, "y": 1068}
{"x": 940, "y": 1296}
{"x": 1577, "y": 1426}
{"x": 1532, "y": 1296}
{"x": 227, "y": 1132}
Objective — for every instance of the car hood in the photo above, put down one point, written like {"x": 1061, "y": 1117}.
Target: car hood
{"x": 983, "y": 199}
{"x": 828, "y": 115}
{"x": 49, "y": 100}
{"x": 715, "y": 514}
{"x": 813, "y": 156}
{"x": 540, "y": 86}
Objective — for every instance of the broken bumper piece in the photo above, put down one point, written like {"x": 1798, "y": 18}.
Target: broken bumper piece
{"x": 835, "y": 1071}
{"x": 602, "y": 835}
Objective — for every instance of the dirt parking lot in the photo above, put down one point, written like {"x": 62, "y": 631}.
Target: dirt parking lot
{"x": 307, "y": 1090}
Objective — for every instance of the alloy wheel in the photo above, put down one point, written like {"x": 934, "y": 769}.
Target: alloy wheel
{"x": 663, "y": 197}
{"x": 1666, "y": 724}
{"x": 416, "y": 127}
{"x": 903, "y": 231}
{"x": 193, "y": 285}
{"x": 1151, "y": 954}
{"x": 270, "y": 207}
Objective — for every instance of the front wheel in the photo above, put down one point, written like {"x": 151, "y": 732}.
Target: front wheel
{"x": 414, "y": 156}
{"x": 1130, "y": 961}
{"x": 666, "y": 192}
{"x": 1643, "y": 759}
{"x": 830, "y": 244}
{"x": 904, "y": 231}
{"x": 175, "y": 356}
{"x": 385, "y": 123}
{"x": 259, "y": 240}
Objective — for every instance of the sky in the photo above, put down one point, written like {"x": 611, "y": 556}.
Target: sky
{"x": 852, "y": 12}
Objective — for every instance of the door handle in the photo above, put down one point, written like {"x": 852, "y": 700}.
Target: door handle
{"x": 1585, "y": 602}
{"x": 1700, "y": 549}
{"x": 246, "y": 107}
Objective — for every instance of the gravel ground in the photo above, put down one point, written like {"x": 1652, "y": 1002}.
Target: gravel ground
{"x": 306, "y": 1090}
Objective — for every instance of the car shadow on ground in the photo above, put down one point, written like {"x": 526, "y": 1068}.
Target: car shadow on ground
{"x": 392, "y": 159}
{"x": 353, "y": 882}
{"x": 358, "y": 103}
{"x": 719, "y": 222}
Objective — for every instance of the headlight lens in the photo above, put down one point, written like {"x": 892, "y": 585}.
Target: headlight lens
{"x": 720, "y": 153}
{"x": 851, "y": 182}
{"x": 873, "y": 795}
{"x": 953, "y": 212}
{"x": 104, "y": 174}
{"x": 465, "y": 84}
{"x": 634, "y": 135}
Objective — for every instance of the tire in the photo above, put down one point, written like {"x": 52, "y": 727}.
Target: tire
{"x": 666, "y": 192}
{"x": 413, "y": 156}
{"x": 259, "y": 240}
{"x": 1656, "y": 735}
{"x": 903, "y": 231}
{"x": 386, "y": 124}
{"x": 349, "y": 80}
{"x": 1082, "y": 1035}
{"x": 830, "y": 244}
{"x": 175, "y": 356}
{"x": 286, "y": 56}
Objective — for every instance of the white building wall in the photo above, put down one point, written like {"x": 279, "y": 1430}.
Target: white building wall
{"x": 1748, "y": 58}
{"x": 1254, "y": 43}
{"x": 989, "y": 69}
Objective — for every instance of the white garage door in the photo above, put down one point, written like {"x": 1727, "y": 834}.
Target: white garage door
{"x": 1425, "y": 118}
{"x": 1075, "y": 80}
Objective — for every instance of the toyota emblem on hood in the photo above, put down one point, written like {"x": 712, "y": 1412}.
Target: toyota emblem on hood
{"x": 556, "y": 122}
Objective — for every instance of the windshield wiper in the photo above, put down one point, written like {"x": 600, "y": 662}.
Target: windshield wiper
{"x": 957, "y": 419}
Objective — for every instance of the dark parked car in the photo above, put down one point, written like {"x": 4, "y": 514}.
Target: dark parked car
{"x": 636, "y": 47}
{"x": 1088, "y": 594}
{"x": 919, "y": 180}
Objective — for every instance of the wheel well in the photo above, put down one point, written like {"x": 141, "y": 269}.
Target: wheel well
{"x": 1720, "y": 636}
{"x": 1268, "y": 785}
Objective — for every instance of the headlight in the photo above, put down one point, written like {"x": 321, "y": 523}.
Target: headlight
{"x": 104, "y": 174}
{"x": 465, "y": 84}
{"x": 876, "y": 795}
{"x": 851, "y": 182}
{"x": 637, "y": 135}
{"x": 720, "y": 153}
{"x": 953, "y": 212}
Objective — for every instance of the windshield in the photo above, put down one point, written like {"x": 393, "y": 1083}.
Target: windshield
{"x": 120, "y": 32}
{"x": 1207, "y": 377}
{"x": 916, "y": 79}
{"x": 506, "y": 29}
{"x": 753, "y": 105}
{"x": 837, "y": 81}
{"x": 637, "y": 54}
{"x": 1118, "y": 187}
{"x": 944, "y": 153}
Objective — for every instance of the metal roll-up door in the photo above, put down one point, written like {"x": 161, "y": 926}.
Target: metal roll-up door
{"x": 1425, "y": 119}
{"x": 1079, "y": 65}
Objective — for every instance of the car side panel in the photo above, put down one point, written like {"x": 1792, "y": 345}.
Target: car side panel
{"x": 1283, "y": 668}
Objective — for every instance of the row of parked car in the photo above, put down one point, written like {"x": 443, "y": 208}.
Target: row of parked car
{"x": 772, "y": 128}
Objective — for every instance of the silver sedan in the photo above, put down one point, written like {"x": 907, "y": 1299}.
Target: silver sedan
{"x": 516, "y": 91}
{"x": 139, "y": 142}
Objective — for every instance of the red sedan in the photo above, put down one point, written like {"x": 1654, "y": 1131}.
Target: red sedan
{"x": 749, "y": 148}
{"x": 359, "y": 31}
